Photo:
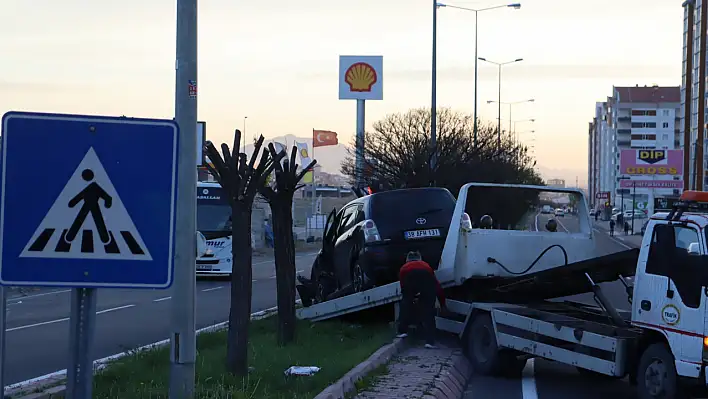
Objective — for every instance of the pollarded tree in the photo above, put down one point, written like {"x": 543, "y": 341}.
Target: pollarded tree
{"x": 241, "y": 180}
{"x": 279, "y": 195}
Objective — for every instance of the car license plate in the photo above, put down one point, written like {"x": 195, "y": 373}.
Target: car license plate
{"x": 414, "y": 234}
{"x": 203, "y": 267}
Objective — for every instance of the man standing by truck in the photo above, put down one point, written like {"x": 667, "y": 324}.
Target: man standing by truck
{"x": 417, "y": 278}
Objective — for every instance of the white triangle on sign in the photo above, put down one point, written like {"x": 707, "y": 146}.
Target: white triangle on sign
{"x": 119, "y": 239}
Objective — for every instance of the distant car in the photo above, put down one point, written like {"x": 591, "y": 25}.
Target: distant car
{"x": 365, "y": 244}
{"x": 546, "y": 209}
{"x": 559, "y": 212}
{"x": 592, "y": 212}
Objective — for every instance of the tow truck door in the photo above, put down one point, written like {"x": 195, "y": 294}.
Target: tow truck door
{"x": 668, "y": 296}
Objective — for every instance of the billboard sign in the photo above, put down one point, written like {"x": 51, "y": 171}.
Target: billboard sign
{"x": 651, "y": 162}
{"x": 603, "y": 195}
{"x": 360, "y": 77}
{"x": 624, "y": 183}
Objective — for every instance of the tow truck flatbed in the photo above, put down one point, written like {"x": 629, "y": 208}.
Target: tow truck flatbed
{"x": 661, "y": 345}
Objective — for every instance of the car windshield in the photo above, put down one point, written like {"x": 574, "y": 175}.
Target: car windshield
{"x": 213, "y": 211}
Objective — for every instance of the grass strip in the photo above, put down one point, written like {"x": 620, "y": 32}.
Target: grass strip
{"x": 334, "y": 346}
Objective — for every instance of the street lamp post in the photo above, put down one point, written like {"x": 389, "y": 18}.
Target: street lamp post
{"x": 510, "y": 105}
{"x": 521, "y": 121}
{"x": 433, "y": 100}
{"x": 244, "y": 134}
{"x": 515, "y": 6}
{"x": 500, "y": 65}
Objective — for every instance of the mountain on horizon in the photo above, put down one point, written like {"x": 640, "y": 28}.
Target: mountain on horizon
{"x": 329, "y": 157}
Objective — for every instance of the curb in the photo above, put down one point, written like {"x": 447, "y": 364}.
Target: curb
{"x": 346, "y": 384}
{"x": 45, "y": 387}
{"x": 452, "y": 380}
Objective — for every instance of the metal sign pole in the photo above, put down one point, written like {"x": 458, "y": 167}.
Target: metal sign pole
{"x": 82, "y": 325}
{"x": 182, "y": 331}
{"x": 360, "y": 123}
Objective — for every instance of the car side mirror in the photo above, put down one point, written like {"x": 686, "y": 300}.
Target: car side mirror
{"x": 201, "y": 245}
{"x": 694, "y": 249}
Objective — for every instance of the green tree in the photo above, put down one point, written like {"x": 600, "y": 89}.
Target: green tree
{"x": 397, "y": 155}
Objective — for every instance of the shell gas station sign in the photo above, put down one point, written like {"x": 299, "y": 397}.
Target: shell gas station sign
{"x": 360, "y": 77}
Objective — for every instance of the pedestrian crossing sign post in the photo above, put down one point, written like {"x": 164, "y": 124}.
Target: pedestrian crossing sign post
{"x": 86, "y": 202}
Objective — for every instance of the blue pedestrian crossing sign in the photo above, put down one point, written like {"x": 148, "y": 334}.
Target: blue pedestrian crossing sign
{"x": 87, "y": 201}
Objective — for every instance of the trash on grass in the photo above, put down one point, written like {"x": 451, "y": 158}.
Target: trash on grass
{"x": 301, "y": 370}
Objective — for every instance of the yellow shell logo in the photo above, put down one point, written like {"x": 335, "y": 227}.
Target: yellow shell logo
{"x": 360, "y": 77}
{"x": 303, "y": 153}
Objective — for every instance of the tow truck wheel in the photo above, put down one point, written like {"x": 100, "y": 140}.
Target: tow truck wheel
{"x": 656, "y": 374}
{"x": 484, "y": 354}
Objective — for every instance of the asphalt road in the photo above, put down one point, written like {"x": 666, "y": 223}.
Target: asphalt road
{"x": 550, "y": 380}
{"x": 38, "y": 329}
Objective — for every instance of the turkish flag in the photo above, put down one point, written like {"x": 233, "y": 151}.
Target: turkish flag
{"x": 323, "y": 138}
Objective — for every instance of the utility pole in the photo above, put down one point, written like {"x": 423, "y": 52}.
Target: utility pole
{"x": 182, "y": 332}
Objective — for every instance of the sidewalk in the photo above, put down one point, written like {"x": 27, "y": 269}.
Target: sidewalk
{"x": 418, "y": 372}
{"x": 634, "y": 241}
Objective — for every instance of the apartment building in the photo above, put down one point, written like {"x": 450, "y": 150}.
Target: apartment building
{"x": 693, "y": 95}
{"x": 631, "y": 143}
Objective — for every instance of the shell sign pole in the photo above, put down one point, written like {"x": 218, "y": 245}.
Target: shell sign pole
{"x": 360, "y": 79}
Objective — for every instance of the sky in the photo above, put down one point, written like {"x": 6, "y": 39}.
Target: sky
{"x": 276, "y": 62}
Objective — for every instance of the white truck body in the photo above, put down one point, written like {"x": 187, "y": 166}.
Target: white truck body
{"x": 465, "y": 255}
{"x": 662, "y": 345}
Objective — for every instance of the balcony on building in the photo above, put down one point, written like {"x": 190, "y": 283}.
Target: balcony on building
{"x": 624, "y": 131}
{"x": 624, "y": 118}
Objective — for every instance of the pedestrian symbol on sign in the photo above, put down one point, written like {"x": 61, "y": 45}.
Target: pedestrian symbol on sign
{"x": 89, "y": 192}
{"x": 90, "y": 196}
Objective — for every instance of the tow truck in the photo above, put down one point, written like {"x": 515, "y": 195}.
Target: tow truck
{"x": 504, "y": 306}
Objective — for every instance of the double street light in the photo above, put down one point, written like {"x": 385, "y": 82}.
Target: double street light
{"x": 510, "y": 104}
{"x": 500, "y": 65}
{"x": 521, "y": 121}
{"x": 433, "y": 104}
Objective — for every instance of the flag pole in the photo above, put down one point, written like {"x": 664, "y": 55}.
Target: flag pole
{"x": 314, "y": 187}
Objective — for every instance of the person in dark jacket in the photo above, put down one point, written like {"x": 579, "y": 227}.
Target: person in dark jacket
{"x": 612, "y": 227}
{"x": 552, "y": 225}
{"x": 418, "y": 278}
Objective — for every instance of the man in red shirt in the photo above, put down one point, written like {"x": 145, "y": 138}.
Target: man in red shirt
{"x": 418, "y": 278}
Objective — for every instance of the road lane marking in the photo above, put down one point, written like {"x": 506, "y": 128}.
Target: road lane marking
{"x": 616, "y": 241}
{"x": 273, "y": 260}
{"x": 563, "y": 226}
{"x": 212, "y": 288}
{"x": 537, "y": 220}
{"x": 162, "y": 299}
{"x": 296, "y": 272}
{"x": 44, "y": 323}
{"x": 114, "y": 309}
{"x": 101, "y": 363}
{"x": 528, "y": 381}
{"x": 23, "y": 297}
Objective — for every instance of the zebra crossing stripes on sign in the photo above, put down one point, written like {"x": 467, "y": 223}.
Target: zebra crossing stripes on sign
{"x": 87, "y": 221}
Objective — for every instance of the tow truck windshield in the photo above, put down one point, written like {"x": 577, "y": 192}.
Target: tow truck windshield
{"x": 213, "y": 213}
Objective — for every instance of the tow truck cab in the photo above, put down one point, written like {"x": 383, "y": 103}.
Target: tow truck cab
{"x": 670, "y": 295}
